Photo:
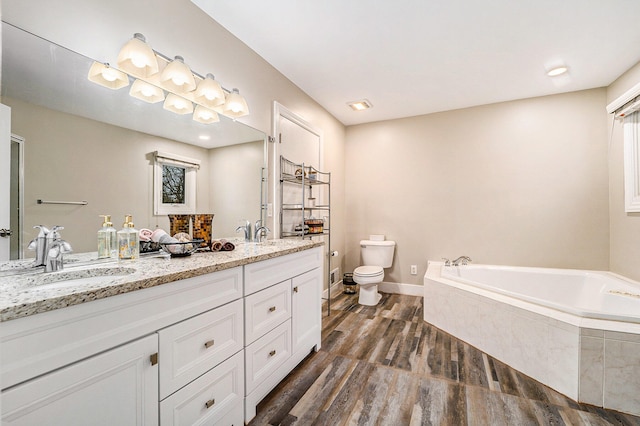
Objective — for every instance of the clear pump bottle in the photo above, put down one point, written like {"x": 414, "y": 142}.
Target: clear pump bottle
{"x": 128, "y": 241}
{"x": 107, "y": 242}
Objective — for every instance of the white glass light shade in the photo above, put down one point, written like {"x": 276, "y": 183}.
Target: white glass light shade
{"x": 235, "y": 105}
{"x": 177, "y": 104}
{"x": 137, "y": 58}
{"x": 209, "y": 93}
{"x": 106, "y": 76}
{"x": 177, "y": 77}
{"x": 146, "y": 92}
{"x": 205, "y": 115}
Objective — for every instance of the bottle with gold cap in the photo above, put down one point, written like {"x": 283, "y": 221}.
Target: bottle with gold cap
{"x": 128, "y": 240}
{"x": 107, "y": 240}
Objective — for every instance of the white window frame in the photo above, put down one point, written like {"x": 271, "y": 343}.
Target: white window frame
{"x": 191, "y": 166}
{"x": 632, "y": 162}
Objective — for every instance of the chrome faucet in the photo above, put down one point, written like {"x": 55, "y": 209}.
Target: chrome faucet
{"x": 40, "y": 244}
{"x": 447, "y": 262}
{"x": 56, "y": 248}
{"x": 246, "y": 228}
{"x": 461, "y": 260}
{"x": 261, "y": 231}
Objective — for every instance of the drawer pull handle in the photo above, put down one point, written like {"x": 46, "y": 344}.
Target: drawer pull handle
{"x": 295, "y": 289}
{"x": 271, "y": 309}
{"x": 208, "y": 344}
{"x": 210, "y": 403}
{"x": 272, "y": 353}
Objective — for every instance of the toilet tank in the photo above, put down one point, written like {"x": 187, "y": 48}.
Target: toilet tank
{"x": 377, "y": 253}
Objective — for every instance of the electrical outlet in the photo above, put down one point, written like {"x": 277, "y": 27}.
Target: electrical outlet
{"x": 414, "y": 269}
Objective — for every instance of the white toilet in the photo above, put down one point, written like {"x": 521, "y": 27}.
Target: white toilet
{"x": 377, "y": 254}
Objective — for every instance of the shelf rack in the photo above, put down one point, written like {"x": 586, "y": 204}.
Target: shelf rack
{"x": 299, "y": 208}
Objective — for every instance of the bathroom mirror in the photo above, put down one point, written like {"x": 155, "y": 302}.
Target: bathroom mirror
{"x": 91, "y": 148}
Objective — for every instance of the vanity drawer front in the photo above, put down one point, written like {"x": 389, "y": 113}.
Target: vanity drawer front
{"x": 209, "y": 399}
{"x": 191, "y": 347}
{"x": 266, "y": 354}
{"x": 266, "y": 309}
{"x": 260, "y": 275}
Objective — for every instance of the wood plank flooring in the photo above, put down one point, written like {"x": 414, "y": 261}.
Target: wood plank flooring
{"x": 384, "y": 365}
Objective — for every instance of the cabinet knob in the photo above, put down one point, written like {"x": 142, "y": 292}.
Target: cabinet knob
{"x": 272, "y": 353}
{"x": 208, "y": 344}
{"x": 210, "y": 403}
{"x": 295, "y": 289}
{"x": 271, "y": 309}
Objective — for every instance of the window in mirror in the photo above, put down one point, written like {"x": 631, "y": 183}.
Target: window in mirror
{"x": 174, "y": 184}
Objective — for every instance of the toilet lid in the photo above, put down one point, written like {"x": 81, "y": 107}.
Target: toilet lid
{"x": 366, "y": 271}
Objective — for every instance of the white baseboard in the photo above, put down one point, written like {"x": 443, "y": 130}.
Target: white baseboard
{"x": 385, "y": 287}
{"x": 400, "y": 288}
{"x": 335, "y": 289}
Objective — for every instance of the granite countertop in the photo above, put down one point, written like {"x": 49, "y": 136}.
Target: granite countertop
{"x": 23, "y": 294}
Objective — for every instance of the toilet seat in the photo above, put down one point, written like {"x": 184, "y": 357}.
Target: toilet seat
{"x": 368, "y": 274}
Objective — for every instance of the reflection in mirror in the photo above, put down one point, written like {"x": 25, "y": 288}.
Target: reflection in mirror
{"x": 84, "y": 142}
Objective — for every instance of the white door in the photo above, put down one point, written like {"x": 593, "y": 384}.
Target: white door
{"x": 5, "y": 180}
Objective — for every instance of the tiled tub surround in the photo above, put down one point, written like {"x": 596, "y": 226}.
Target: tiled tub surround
{"x": 591, "y": 360}
{"x": 27, "y": 294}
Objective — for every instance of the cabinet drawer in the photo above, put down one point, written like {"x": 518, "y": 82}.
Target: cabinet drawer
{"x": 266, "y": 309}
{"x": 260, "y": 275}
{"x": 266, "y": 354}
{"x": 192, "y": 347}
{"x": 209, "y": 399}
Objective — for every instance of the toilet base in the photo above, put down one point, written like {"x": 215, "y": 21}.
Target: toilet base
{"x": 369, "y": 295}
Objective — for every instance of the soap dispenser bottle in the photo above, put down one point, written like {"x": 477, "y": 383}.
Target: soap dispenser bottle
{"x": 128, "y": 240}
{"x": 107, "y": 242}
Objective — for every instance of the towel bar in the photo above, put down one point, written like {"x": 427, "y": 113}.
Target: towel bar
{"x": 77, "y": 203}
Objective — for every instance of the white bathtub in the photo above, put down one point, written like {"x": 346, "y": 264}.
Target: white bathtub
{"x": 575, "y": 331}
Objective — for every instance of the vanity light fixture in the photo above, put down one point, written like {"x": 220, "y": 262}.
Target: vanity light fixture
{"x": 155, "y": 73}
{"x": 360, "y": 105}
{"x": 146, "y": 92}
{"x": 205, "y": 115}
{"x": 556, "y": 71}
{"x": 177, "y": 77}
{"x": 209, "y": 93}
{"x": 137, "y": 58}
{"x": 177, "y": 104}
{"x": 235, "y": 105}
{"x": 106, "y": 76}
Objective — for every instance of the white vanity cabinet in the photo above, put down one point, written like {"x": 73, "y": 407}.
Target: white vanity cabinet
{"x": 202, "y": 350}
{"x": 282, "y": 319}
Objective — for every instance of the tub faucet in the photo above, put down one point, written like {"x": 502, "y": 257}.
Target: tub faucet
{"x": 447, "y": 262}
{"x": 56, "y": 247}
{"x": 461, "y": 260}
{"x": 246, "y": 228}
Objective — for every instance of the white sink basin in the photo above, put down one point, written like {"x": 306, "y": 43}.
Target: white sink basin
{"x": 79, "y": 277}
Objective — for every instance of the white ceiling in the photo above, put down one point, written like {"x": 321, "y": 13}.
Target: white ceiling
{"x": 413, "y": 57}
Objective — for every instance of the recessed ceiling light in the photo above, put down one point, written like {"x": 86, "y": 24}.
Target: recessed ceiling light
{"x": 360, "y": 105}
{"x": 204, "y": 137}
{"x": 556, "y": 71}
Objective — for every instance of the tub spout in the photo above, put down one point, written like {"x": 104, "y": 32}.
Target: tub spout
{"x": 461, "y": 260}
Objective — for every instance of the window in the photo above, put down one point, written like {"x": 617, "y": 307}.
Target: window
{"x": 632, "y": 162}
{"x": 174, "y": 184}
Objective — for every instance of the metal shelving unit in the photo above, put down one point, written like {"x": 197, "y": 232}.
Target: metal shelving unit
{"x": 305, "y": 206}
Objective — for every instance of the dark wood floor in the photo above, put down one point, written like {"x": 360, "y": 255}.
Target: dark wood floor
{"x": 384, "y": 365}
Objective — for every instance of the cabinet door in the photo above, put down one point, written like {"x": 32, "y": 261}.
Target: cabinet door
{"x": 117, "y": 387}
{"x": 306, "y": 316}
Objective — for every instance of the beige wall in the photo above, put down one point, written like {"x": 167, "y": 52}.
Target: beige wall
{"x": 97, "y": 29}
{"x": 625, "y": 227}
{"x": 518, "y": 183}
